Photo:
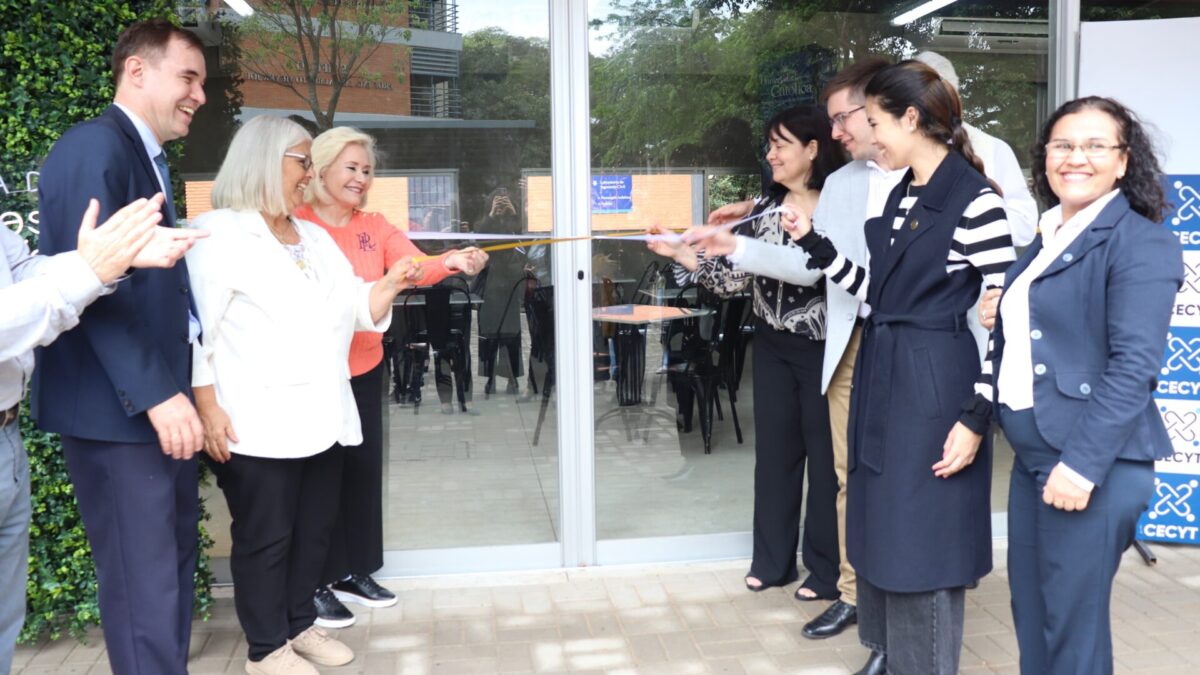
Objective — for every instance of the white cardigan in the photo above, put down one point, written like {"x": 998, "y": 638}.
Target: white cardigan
{"x": 276, "y": 344}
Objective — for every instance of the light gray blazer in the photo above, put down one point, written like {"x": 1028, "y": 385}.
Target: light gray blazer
{"x": 840, "y": 215}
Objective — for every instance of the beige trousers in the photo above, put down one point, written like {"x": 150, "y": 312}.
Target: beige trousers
{"x": 839, "y": 419}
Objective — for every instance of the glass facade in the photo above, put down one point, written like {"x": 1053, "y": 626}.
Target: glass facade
{"x": 679, "y": 100}
{"x": 487, "y": 458}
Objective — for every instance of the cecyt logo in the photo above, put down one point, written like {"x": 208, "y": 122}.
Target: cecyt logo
{"x": 1183, "y": 192}
{"x": 1189, "y": 203}
{"x": 1173, "y": 499}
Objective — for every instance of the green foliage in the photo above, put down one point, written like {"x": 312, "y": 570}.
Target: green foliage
{"x": 729, "y": 188}
{"x": 507, "y": 77}
{"x": 55, "y": 67}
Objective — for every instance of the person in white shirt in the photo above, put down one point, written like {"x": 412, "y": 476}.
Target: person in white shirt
{"x": 999, "y": 163}
{"x": 42, "y": 297}
{"x": 279, "y": 303}
{"x": 1077, "y": 347}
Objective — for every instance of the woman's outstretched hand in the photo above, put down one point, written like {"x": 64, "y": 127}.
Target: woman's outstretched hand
{"x": 795, "y": 222}
{"x": 674, "y": 249}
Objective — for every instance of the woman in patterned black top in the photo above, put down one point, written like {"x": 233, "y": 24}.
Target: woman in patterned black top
{"x": 918, "y": 518}
{"x": 791, "y": 416}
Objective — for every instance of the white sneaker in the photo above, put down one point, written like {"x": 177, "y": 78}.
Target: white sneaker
{"x": 319, "y": 647}
{"x": 282, "y": 661}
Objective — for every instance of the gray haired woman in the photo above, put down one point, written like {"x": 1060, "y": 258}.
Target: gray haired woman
{"x": 279, "y": 304}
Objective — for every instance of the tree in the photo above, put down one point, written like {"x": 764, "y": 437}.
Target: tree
{"x": 507, "y": 77}
{"x": 314, "y": 48}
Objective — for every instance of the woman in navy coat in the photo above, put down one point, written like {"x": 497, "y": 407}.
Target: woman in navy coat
{"x": 1080, "y": 338}
{"x": 918, "y": 515}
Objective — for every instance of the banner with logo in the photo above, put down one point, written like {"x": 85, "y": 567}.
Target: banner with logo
{"x": 1174, "y": 507}
{"x": 1173, "y": 514}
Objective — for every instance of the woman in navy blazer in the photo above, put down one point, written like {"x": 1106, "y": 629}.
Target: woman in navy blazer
{"x": 1078, "y": 342}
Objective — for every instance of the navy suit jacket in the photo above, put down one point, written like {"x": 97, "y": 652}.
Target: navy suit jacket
{"x": 130, "y": 351}
{"x": 1100, "y": 314}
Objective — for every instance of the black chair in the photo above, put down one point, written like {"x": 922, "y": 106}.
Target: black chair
{"x": 490, "y": 345}
{"x": 646, "y": 281}
{"x": 705, "y": 360}
{"x": 440, "y": 324}
{"x": 409, "y": 353}
{"x": 539, "y": 312}
{"x": 448, "y": 321}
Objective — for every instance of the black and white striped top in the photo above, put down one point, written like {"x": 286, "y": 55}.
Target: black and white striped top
{"x": 982, "y": 241}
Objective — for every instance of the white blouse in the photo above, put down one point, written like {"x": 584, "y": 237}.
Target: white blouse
{"x": 1015, "y": 379}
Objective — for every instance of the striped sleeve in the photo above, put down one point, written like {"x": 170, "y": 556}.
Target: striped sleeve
{"x": 983, "y": 241}
{"x": 839, "y": 269}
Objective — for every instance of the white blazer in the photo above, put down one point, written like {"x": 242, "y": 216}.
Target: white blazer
{"x": 275, "y": 343}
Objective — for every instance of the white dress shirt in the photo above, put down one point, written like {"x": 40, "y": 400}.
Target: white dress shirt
{"x": 1015, "y": 380}
{"x": 276, "y": 341}
{"x": 1001, "y": 165}
{"x": 154, "y": 149}
{"x": 40, "y": 298}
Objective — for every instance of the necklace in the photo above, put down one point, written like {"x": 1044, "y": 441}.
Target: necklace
{"x": 297, "y": 251}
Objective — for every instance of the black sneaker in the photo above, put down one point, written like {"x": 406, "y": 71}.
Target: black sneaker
{"x": 330, "y": 612}
{"x": 362, "y": 589}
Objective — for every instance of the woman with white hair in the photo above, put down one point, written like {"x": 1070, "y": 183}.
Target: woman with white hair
{"x": 279, "y": 304}
{"x": 344, "y": 162}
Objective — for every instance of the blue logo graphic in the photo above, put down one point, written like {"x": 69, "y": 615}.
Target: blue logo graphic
{"x": 1183, "y": 193}
{"x": 614, "y": 194}
{"x": 1180, "y": 373}
{"x": 1173, "y": 510}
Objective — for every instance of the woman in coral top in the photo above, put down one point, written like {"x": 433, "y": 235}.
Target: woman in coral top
{"x": 344, "y": 163}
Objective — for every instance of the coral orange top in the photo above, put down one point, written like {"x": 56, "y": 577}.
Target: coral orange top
{"x": 372, "y": 245}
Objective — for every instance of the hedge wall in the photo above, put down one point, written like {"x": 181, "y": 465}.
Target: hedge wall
{"x": 55, "y": 72}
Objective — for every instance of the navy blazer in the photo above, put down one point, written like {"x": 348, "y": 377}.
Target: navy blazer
{"x": 1098, "y": 317}
{"x": 130, "y": 351}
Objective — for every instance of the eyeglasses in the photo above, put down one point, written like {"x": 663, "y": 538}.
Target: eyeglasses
{"x": 305, "y": 160}
{"x": 839, "y": 120}
{"x": 1063, "y": 149}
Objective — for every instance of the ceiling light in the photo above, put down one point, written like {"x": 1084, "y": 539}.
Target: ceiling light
{"x": 918, "y": 11}
{"x": 240, "y": 6}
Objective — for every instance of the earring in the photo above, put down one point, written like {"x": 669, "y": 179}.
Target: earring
{"x": 911, "y": 129}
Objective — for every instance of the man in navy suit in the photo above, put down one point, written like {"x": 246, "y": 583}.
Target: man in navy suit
{"x": 118, "y": 387}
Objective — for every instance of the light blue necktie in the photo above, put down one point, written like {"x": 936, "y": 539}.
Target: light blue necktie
{"x": 160, "y": 161}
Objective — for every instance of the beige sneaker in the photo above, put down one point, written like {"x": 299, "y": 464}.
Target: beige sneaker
{"x": 282, "y": 661}
{"x": 317, "y": 646}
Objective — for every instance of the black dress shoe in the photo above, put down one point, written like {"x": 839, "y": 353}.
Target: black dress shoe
{"x": 876, "y": 665}
{"x": 330, "y": 612}
{"x": 835, "y": 619}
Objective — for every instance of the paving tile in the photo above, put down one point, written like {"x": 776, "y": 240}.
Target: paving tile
{"x": 677, "y": 619}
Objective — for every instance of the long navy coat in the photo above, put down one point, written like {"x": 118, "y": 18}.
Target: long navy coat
{"x": 906, "y": 529}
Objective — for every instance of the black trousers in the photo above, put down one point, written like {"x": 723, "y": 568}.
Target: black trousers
{"x": 791, "y": 420}
{"x": 283, "y": 512}
{"x": 1061, "y": 564}
{"x": 140, "y": 509}
{"x": 356, "y": 545}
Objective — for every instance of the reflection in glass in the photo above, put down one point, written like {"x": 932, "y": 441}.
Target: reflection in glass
{"x": 456, "y": 95}
{"x": 680, "y": 93}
